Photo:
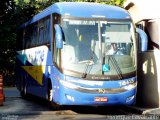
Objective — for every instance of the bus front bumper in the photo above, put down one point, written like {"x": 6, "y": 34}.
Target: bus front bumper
{"x": 71, "y": 95}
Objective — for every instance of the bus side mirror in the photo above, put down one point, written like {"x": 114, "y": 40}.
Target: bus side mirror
{"x": 58, "y": 36}
{"x": 142, "y": 40}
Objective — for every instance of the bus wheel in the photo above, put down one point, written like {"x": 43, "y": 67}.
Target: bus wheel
{"x": 50, "y": 95}
{"x": 51, "y": 104}
{"x": 23, "y": 91}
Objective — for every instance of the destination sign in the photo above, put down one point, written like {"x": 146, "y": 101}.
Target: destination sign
{"x": 81, "y": 22}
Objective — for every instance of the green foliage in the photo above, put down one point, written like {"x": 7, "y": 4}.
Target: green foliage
{"x": 12, "y": 14}
{"x": 117, "y": 2}
{"x": 7, "y": 37}
{"x": 110, "y": 2}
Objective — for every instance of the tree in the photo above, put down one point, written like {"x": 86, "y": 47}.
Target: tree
{"x": 110, "y": 2}
{"x": 7, "y": 36}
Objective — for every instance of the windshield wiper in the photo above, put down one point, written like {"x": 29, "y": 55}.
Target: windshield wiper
{"x": 115, "y": 65}
{"x": 88, "y": 64}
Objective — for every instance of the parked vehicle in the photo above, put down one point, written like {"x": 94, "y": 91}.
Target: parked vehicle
{"x": 1, "y": 90}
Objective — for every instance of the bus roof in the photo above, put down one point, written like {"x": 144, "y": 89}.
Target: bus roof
{"x": 82, "y": 9}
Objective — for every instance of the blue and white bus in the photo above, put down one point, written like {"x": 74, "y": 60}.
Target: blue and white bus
{"x": 78, "y": 54}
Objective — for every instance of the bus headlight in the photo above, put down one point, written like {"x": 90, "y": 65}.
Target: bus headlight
{"x": 71, "y": 98}
{"x": 130, "y": 86}
{"x": 130, "y": 98}
{"x": 69, "y": 85}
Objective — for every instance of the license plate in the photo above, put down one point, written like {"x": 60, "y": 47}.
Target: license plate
{"x": 100, "y": 99}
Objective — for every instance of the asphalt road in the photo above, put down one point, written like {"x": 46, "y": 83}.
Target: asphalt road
{"x": 33, "y": 108}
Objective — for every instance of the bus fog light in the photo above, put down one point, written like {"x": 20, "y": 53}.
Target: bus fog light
{"x": 71, "y": 98}
{"x": 130, "y": 98}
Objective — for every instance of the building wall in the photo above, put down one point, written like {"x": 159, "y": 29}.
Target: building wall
{"x": 148, "y": 92}
{"x": 152, "y": 28}
{"x": 145, "y": 15}
{"x": 143, "y": 9}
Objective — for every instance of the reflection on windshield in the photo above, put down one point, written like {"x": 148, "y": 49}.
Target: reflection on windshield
{"x": 82, "y": 51}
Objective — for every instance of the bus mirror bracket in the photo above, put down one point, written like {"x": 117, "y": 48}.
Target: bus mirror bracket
{"x": 58, "y": 36}
{"x": 143, "y": 40}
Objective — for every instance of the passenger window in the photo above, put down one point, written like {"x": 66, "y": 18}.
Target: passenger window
{"x": 41, "y": 33}
{"x": 34, "y": 35}
{"x": 47, "y": 31}
{"x": 27, "y": 37}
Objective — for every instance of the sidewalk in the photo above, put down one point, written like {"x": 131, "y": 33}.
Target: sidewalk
{"x": 155, "y": 111}
{"x": 144, "y": 111}
{"x": 11, "y": 92}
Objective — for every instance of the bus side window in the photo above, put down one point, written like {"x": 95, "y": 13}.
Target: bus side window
{"x": 34, "y": 35}
{"x": 40, "y": 32}
{"x": 27, "y": 37}
{"x": 47, "y": 31}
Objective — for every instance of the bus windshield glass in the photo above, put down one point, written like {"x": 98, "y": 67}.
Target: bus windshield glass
{"x": 98, "y": 47}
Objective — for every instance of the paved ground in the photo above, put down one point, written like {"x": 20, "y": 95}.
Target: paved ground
{"x": 145, "y": 111}
{"x": 16, "y": 108}
{"x": 11, "y": 92}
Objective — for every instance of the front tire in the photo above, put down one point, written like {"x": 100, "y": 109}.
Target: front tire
{"x": 52, "y": 104}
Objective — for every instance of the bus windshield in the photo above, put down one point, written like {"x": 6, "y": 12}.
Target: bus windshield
{"x": 98, "y": 47}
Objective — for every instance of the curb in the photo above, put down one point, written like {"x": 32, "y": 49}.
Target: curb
{"x": 144, "y": 111}
{"x": 64, "y": 112}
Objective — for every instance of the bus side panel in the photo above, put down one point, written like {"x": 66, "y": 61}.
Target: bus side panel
{"x": 56, "y": 76}
{"x": 33, "y": 66}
